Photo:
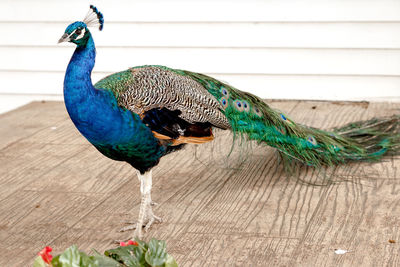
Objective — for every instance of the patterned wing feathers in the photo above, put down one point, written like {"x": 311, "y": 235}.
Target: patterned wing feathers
{"x": 158, "y": 87}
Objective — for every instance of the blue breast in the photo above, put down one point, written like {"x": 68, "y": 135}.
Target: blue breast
{"x": 116, "y": 132}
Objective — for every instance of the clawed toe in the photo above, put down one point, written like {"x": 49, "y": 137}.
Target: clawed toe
{"x": 153, "y": 219}
{"x": 157, "y": 219}
{"x": 132, "y": 226}
{"x": 129, "y": 222}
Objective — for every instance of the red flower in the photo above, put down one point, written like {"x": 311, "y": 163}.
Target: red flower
{"x": 45, "y": 254}
{"x": 130, "y": 242}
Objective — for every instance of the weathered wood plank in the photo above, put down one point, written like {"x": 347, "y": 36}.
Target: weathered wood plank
{"x": 368, "y": 216}
{"x": 30, "y": 220}
{"x": 23, "y": 167}
{"x": 28, "y": 120}
{"x": 57, "y": 190}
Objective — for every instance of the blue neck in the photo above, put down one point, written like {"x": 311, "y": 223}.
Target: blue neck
{"x": 78, "y": 83}
{"x": 95, "y": 112}
{"x": 116, "y": 132}
{"x": 82, "y": 100}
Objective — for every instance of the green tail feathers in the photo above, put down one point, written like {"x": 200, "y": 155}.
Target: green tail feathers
{"x": 249, "y": 116}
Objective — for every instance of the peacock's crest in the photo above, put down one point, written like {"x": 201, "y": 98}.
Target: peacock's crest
{"x": 94, "y": 18}
{"x": 78, "y": 33}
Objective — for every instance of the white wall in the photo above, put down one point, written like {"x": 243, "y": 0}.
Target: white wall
{"x": 337, "y": 49}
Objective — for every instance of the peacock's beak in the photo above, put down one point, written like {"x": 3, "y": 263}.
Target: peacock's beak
{"x": 64, "y": 38}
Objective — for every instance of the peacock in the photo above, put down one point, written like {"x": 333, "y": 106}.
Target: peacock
{"x": 144, "y": 113}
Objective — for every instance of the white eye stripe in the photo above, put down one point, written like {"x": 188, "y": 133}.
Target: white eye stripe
{"x": 80, "y": 35}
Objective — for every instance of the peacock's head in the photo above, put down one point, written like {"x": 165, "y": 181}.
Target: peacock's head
{"x": 78, "y": 32}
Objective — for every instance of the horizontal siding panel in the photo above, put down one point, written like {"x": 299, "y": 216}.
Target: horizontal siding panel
{"x": 207, "y": 10}
{"x": 289, "y": 35}
{"x": 299, "y": 49}
{"x": 218, "y": 60}
{"x": 265, "y": 86}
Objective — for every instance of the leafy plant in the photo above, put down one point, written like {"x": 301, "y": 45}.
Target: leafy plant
{"x": 133, "y": 254}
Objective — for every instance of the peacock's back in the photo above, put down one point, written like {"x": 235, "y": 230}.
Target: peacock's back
{"x": 145, "y": 88}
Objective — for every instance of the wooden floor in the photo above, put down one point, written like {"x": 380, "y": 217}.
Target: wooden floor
{"x": 57, "y": 190}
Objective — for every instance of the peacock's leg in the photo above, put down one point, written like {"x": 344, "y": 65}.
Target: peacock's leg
{"x": 146, "y": 215}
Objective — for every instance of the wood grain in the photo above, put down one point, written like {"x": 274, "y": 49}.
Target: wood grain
{"x": 58, "y": 190}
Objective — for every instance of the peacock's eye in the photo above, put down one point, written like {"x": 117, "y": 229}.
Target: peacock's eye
{"x": 78, "y": 31}
{"x": 224, "y": 102}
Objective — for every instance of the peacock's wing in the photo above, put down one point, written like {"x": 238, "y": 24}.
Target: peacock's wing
{"x": 174, "y": 106}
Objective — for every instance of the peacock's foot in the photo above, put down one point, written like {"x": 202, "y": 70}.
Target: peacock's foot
{"x": 149, "y": 219}
{"x": 133, "y": 225}
{"x": 146, "y": 216}
{"x": 130, "y": 226}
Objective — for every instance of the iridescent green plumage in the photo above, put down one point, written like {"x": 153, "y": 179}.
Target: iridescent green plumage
{"x": 359, "y": 141}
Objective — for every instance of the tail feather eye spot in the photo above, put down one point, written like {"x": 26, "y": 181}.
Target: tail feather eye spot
{"x": 238, "y": 105}
{"x": 312, "y": 140}
{"x": 224, "y": 92}
{"x": 246, "y": 106}
{"x": 257, "y": 111}
{"x": 224, "y": 102}
{"x": 283, "y": 117}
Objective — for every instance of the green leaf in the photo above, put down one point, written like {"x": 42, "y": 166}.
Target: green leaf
{"x": 86, "y": 260}
{"x": 115, "y": 253}
{"x": 170, "y": 262}
{"x": 55, "y": 261}
{"x": 127, "y": 258}
{"x": 39, "y": 262}
{"x": 143, "y": 245}
{"x": 129, "y": 255}
{"x": 103, "y": 261}
{"x": 156, "y": 254}
{"x": 70, "y": 257}
{"x": 139, "y": 254}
